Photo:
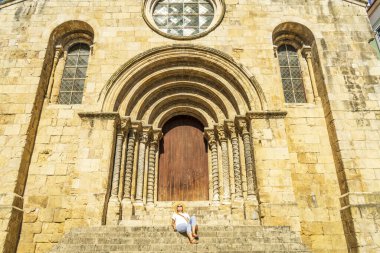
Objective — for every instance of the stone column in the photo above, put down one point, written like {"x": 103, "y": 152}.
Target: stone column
{"x": 210, "y": 135}
{"x": 306, "y": 52}
{"x": 57, "y": 54}
{"x": 236, "y": 160}
{"x": 144, "y": 138}
{"x": 117, "y": 164}
{"x": 114, "y": 207}
{"x": 251, "y": 173}
{"x": 225, "y": 165}
{"x": 133, "y": 134}
{"x": 153, "y": 145}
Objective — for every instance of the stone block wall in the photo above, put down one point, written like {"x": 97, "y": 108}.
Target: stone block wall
{"x": 55, "y": 165}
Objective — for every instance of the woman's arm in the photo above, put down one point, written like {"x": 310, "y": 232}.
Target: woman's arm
{"x": 173, "y": 224}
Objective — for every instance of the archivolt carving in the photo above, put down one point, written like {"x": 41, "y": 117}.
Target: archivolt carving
{"x": 212, "y": 78}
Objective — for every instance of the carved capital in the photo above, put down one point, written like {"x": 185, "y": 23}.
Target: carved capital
{"x": 230, "y": 126}
{"x": 242, "y": 125}
{"x": 221, "y": 133}
{"x": 306, "y": 52}
{"x": 156, "y": 136}
{"x": 58, "y": 51}
{"x": 210, "y": 136}
{"x": 125, "y": 124}
{"x": 145, "y": 134}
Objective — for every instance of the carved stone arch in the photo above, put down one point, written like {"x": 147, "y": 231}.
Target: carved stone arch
{"x": 148, "y": 88}
{"x": 229, "y": 75}
{"x": 67, "y": 33}
{"x": 173, "y": 111}
{"x": 208, "y": 111}
{"x": 292, "y": 33}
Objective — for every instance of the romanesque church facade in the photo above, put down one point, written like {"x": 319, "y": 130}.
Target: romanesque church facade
{"x": 265, "y": 113}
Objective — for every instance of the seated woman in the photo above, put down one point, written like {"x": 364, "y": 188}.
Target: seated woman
{"x": 183, "y": 223}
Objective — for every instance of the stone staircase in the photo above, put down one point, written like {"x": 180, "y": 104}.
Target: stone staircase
{"x": 148, "y": 230}
{"x": 230, "y": 239}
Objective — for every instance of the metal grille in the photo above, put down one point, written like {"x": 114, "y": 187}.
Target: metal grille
{"x": 74, "y": 75}
{"x": 183, "y": 17}
{"x": 291, "y": 75}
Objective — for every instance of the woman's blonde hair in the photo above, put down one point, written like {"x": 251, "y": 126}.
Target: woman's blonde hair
{"x": 175, "y": 206}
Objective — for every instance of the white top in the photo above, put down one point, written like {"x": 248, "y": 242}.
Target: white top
{"x": 179, "y": 219}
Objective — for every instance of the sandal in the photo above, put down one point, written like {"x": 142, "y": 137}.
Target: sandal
{"x": 193, "y": 241}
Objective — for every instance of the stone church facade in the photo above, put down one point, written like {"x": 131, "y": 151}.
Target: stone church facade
{"x": 282, "y": 100}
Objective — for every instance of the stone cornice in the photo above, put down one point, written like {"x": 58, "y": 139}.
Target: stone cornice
{"x": 267, "y": 115}
{"x": 362, "y": 3}
{"x": 100, "y": 115}
{"x": 7, "y": 3}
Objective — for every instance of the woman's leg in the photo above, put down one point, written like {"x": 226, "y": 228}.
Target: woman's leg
{"x": 194, "y": 226}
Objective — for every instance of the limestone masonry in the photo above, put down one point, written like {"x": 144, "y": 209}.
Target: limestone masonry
{"x": 288, "y": 93}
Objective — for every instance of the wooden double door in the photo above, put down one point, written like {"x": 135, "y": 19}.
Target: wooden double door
{"x": 183, "y": 161}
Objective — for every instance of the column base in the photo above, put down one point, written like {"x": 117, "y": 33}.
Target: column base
{"x": 127, "y": 209}
{"x": 251, "y": 209}
{"x": 237, "y": 209}
{"x": 113, "y": 211}
{"x": 139, "y": 209}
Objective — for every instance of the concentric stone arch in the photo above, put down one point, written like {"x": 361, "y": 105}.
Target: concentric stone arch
{"x": 187, "y": 79}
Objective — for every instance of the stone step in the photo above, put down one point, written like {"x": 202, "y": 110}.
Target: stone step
{"x": 120, "y": 239}
{"x": 240, "y": 247}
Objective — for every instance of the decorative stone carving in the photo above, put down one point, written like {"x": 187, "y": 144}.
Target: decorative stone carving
{"x": 143, "y": 138}
{"x": 210, "y": 135}
{"x": 236, "y": 159}
{"x": 251, "y": 173}
{"x": 157, "y": 134}
{"x": 117, "y": 164}
{"x": 267, "y": 115}
{"x": 226, "y": 173}
{"x": 129, "y": 163}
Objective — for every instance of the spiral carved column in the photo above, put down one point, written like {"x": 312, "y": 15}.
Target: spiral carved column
{"x": 210, "y": 135}
{"x": 117, "y": 164}
{"x": 251, "y": 173}
{"x": 152, "y": 166}
{"x": 129, "y": 165}
{"x": 225, "y": 165}
{"x": 144, "y": 137}
{"x": 236, "y": 160}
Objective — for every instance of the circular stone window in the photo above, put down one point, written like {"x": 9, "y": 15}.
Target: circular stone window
{"x": 183, "y": 19}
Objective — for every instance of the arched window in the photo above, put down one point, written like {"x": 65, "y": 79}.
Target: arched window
{"x": 291, "y": 75}
{"x": 74, "y": 74}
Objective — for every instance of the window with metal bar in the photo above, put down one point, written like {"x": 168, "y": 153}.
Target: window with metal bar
{"x": 74, "y": 74}
{"x": 291, "y": 75}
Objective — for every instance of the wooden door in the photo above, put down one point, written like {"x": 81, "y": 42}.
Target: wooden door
{"x": 183, "y": 163}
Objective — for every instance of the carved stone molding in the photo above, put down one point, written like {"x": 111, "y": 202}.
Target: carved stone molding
{"x": 248, "y": 155}
{"x": 125, "y": 124}
{"x": 99, "y": 115}
{"x": 210, "y": 136}
{"x": 143, "y": 138}
{"x": 153, "y": 145}
{"x": 267, "y": 115}
{"x": 222, "y": 136}
{"x": 236, "y": 159}
{"x": 117, "y": 163}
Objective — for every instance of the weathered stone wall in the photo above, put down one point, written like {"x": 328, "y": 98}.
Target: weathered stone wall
{"x": 324, "y": 146}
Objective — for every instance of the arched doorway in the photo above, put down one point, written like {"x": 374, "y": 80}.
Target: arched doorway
{"x": 183, "y": 170}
